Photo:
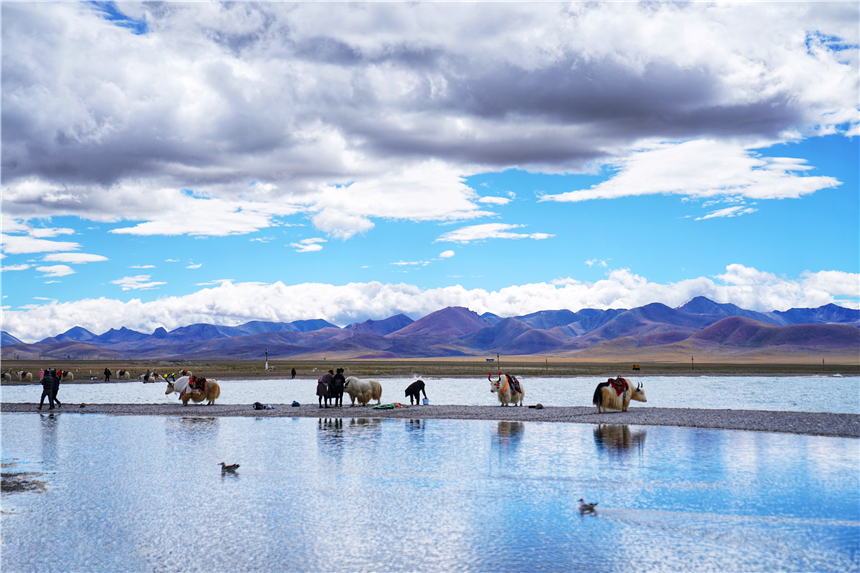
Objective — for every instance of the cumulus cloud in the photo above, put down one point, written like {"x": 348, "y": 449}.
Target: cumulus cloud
{"x": 194, "y": 266}
{"x": 238, "y": 114}
{"x": 14, "y": 267}
{"x": 232, "y": 304}
{"x": 446, "y": 254}
{"x": 488, "y": 231}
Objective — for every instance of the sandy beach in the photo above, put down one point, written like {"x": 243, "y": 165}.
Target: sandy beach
{"x": 815, "y": 424}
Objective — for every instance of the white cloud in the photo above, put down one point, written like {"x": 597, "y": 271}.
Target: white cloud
{"x": 446, "y": 254}
{"x": 728, "y": 212}
{"x": 17, "y": 244}
{"x": 411, "y": 263}
{"x": 142, "y": 267}
{"x": 233, "y": 304}
{"x": 488, "y": 231}
{"x": 494, "y": 200}
{"x": 56, "y": 271}
{"x": 308, "y": 245}
{"x": 194, "y": 266}
{"x": 47, "y": 233}
{"x": 14, "y": 267}
{"x": 346, "y": 114}
{"x": 139, "y": 282}
{"x": 703, "y": 168}
{"x": 74, "y": 258}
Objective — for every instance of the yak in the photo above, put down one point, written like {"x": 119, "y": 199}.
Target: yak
{"x": 508, "y": 390}
{"x": 616, "y": 395}
{"x": 183, "y": 386}
{"x": 363, "y": 390}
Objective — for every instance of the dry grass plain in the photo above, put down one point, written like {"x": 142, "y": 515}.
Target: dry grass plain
{"x": 448, "y": 368}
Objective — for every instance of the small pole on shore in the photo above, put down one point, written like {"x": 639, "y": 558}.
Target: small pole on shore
{"x": 267, "y": 360}
{"x": 692, "y": 364}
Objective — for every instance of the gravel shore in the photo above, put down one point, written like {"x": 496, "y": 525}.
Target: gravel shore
{"x": 815, "y": 424}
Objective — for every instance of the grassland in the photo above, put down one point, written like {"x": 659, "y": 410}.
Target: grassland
{"x": 440, "y": 368}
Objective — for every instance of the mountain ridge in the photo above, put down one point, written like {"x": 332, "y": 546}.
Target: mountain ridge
{"x": 459, "y": 331}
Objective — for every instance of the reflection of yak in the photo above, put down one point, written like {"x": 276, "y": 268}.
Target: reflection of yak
{"x": 617, "y": 439}
{"x": 196, "y": 389}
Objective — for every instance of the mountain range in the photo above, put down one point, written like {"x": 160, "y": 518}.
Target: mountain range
{"x": 655, "y": 331}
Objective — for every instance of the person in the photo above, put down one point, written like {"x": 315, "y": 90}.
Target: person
{"x": 55, "y": 388}
{"x": 294, "y": 373}
{"x": 336, "y": 388}
{"x": 414, "y": 390}
{"x": 47, "y": 389}
{"x": 147, "y": 375}
{"x": 107, "y": 374}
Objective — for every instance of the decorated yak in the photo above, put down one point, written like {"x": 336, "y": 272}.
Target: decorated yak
{"x": 507, "y": 388}
{"x": 615, "y": 394}
{"x": 194, "y": 388}
{"x": 363, "y": 390}
{"x": 67, "y": 376}
{"x": 25, "y": 376}
{"x": 123, "y": 375}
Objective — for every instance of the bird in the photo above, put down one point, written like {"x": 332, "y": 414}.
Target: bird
{"x": 231, "y": 468}
{"x": 585, "y": 507}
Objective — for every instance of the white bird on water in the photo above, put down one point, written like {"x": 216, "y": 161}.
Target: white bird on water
{"x": 585, "y": 507}
{"x": 230, "y": 468}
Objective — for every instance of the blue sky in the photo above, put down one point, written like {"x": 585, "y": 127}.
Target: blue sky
{"x": 181, "y": 163}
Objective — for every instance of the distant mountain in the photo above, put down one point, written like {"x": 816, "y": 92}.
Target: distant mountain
{"x": 381, "y": 327}
{"x": 6, "y": 339}
{"x": 740, "y": 331}
{"x": 827, "y": 314}
{"x": 698, "y": 326}
{"x": 451, "y": 321}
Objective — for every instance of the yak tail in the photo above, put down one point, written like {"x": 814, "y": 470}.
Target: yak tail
{"x": 597, "y": 400}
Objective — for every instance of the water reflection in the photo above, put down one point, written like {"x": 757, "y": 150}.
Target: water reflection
{"x": 618, "y": 440}
{"x": 693, "y": 499}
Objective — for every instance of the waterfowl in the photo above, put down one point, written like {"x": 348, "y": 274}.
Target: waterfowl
{"x": 584, "y": 506}
{"x": 230, "y": 468}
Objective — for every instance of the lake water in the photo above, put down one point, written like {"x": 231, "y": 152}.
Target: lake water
{"x": 790, "y": 394}
{"x": 130, "y": 493}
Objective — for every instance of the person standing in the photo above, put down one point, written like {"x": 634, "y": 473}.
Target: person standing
{"x": 56, "y": 387}
{"x": 107, "y": 374}
{"x": 47, "y": 389}
{"x": 294, "y": 373}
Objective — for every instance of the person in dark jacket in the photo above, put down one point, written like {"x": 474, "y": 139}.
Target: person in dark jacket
{"x": 107, "y": 374}
{"x": 414, "y": 390}
{"x": 56, "y": 387}
{"x": 47, "y": 389}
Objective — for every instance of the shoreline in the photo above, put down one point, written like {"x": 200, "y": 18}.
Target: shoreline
{"x": 805, "y": 423}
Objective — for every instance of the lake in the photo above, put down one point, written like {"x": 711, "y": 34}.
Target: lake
{"x": 132, "y": 493}
{"x": 789, "y": 394}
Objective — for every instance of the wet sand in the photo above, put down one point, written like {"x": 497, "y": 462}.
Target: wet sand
{"x": 814, "y": 424}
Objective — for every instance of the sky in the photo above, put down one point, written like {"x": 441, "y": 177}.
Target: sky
{"x": 168, "y": 164}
